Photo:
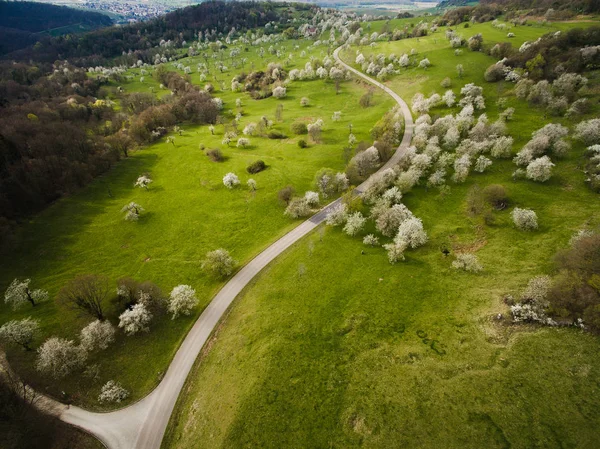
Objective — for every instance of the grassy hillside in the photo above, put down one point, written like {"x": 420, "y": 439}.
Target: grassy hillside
{"x": 335, "y": 347}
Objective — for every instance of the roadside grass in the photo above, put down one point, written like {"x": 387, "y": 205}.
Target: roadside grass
{"x": 333, "y": 348}
{"x": 188, "y": 212}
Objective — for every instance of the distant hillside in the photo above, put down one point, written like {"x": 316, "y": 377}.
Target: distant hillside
{"x": 24, "y": 23}
{"x": 181, "y": 25}
{"x": 578, "y": 6}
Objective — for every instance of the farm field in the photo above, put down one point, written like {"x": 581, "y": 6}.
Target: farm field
{"x": 335, "y": 348}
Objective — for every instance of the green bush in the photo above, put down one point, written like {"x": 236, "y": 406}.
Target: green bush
{"x": 302, "y": 143}
{"x": 256, "y": 167}
{"x": 274, "y": 134}
{"x": 299, "y": 128}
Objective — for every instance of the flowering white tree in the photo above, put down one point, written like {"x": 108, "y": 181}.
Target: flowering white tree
{"x": 337, "y": 116}
{"x": 243, "y": 142}
{"x": 390, "y": 219}
{"x": 251, "y": 183}
{"x": 304, "y": 101}
{"x": 19, "y": 293}
{"x": 312, "y": 198}
{"x": 298, "y": 208}
{"x": 112, "y": 392}
{"x": 588, "y": 131}
{"x": 133, "y": 211}
{"x": 97, "y": 335}
{"x": 218, "y": 263}
{"x": 524, "y": 219}
{"x": 279, "y": 92}
{"x": 461, "y": 168}
{"x": 482, "y": 163}
{"x": 396, "y": 250}
{"x": 230, "y": 180}
{"x": 249, "y": 129}
{"x": 143, "y": 182}
{"x": 337, "y": 216}
{"x": 371, "y": 240}
{"x": 502, "y": 147}
{"x": 449, "y": 98}
{"x": 135, "y": 320}
{"x": 354, "y": 223}
{"x": 182, "y": 299}
{"x": 366, "y": 161}
{"x": 540, "y": 169}
{"x": 411, "y": 231}
{"x": 424, "y": 63}
{"x": 537, "y": 289}
{"x": 21, "y": 332}
{"x": 58, "y": 357}
{"x": 467, "y": 262}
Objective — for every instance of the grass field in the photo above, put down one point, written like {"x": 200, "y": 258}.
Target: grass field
{"x": 188, "y": 212}
{"x": 334, "y": 348}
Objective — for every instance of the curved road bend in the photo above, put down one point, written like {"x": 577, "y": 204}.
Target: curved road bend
{"x": 142, "y": 425}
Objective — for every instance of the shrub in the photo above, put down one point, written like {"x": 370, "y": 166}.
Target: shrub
{"x": 371, "y": 240}
{"x": 297, "y": 208}
{"x": 302, "y": 143}
{"x": 113, "y": 392}
{"x": 135, "y": 320}
{"x": 279, "y": 92}
{"x": 215, "y": 155}
{"x": 218, "y": 263}
{"x": 494, "y": 73}
{"x": 58, "y": 357}
{"x": 496, "y": 196}
{"x": 243, "y": 142}
{"x": 540, "y": 169}
{"x": 304, "y": 101}
{"x": 256, "y": 167}
{"x": 524, "y": 219}
{"x": 274, "y": 134}
{"x": 337, "y": 216}
{"x": 354, "y": 223}
{"x": 286, "y": 194}
{"x": 299, "y": 128}
{"x": 230, "y": 180}
{"x": 467, "y": 262}
{"x": 365, "y": 100}
{"x": 446, "y": 83}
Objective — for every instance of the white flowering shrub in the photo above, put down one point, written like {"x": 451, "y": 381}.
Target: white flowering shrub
{"x": 230, "y": 180}
{"x": 540, "y": 169}
{"x": 298, "y": 208}
{"x": 304, "y": 101}
{"x": 524, "y": 219}
{"x": 462, "y": 166}
{"x": 482, "y": 163}
{"x": 424, "y": 63}
{"x": 391, "y": 218}
{"x": 371, "y": 240}
{"x": 530, "y": 312}
{"x": 243, "y": 142}
{"x": 588, "y": 131}
{"x": 467, "y": 262}
{"x": 182, "y": 299}
{"x": 218, "y": 263}
{"x": 279, "y": 92}
{"x": 135, "y": 320}
{"x": 112, "y": 392}
{"x": 395, "y": 250}
{"x": 537, "y": 289}
{"x": 249, "y": 129}
{"x": 337, "y": 116}
{"x": 411, "y": 231}
{"x": 581, "y": 234}
{"x": 97, "y": 335}
{"x": 59, "y": 357}
{"x": 354, "y": 223}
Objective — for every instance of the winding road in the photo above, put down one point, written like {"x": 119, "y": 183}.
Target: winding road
{"x": 142, "y": 425}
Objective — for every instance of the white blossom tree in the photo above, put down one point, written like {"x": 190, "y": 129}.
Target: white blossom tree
{"x": 97, "y": 335}
{"x": 113, "y": 392}
{"x": 312, "y": 198}
{"x": 304, "y": 102}
{"x": 337, "y": 216}
{"x": 20, "y": 332}
{"x": 18, "y": 293}
{"x": 230, "y": 180}
{"x": 371, "y": 240}
{"x": 411, "y": 231}
{"x": 481, "y": 164}
{"x": 354, "y": 223}
{"x": 132, "y": 211}
{"x": 143, "y": 182}
{"x": 540, "y": 169}
{"x": 467, "y": 262}
{"x": 588, "y": 131}
{"x": 249, "y": 129}
{"x": 298, "y": 208}
{"x": 391, "y": 218}
{"x": 337, "y": 116}
{"x": 251, "y": 183}
{"x": 279, "y": 92}
{"x": 243, "y": 142}
{"x": 136, "y": 319}
{"x": 218, "y": 263}
{"x": 524, "y": 219}
{"x": 59, "y": 357}
{"x": 396, "y": 250}
{"x": 182, "y": 299}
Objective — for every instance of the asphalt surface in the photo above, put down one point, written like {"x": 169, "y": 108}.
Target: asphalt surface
{"x": 142, "y": 425}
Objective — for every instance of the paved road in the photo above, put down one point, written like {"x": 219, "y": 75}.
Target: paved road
{"x": 143, "y": 424}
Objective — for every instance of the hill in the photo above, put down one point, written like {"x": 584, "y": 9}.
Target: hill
{"x": 24, "y": 23}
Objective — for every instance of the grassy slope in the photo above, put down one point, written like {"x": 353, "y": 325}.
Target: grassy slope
{"x": 358, "y": 353}
{"x": 188, "y": 212}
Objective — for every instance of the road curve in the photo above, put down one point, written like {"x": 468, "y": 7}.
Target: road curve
{"x": 142, "y": 425}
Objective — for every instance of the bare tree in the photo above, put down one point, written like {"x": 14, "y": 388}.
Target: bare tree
{"x": 86, "y": 293}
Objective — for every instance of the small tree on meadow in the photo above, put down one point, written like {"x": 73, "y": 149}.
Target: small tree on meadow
{"x": 59, "y": 357}
{"x": 97, "y": 335}
{"x": 18, "y": 293}
{"x": 143, "y": 182}
{"x": 540, "y": 169}
{"x": 524, "y": 219}
{"x": 218, "y": 263}
{"x": 183, "y": 299}
{"x": 279, "y": 92}
{"x": 21, "y": 332}
{"x": 354, "y": 223}
{"x": 135, "y": 320}
{"x": 86, "y": 293}
{"x": 112, "y": 392}
{"x": 467, "y": 262}
{"x": 298, "y": 208}
{"x": 132, "y": 211}
{"x": 230, "y": 180}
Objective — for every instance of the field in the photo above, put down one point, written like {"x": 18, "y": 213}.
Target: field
{"x": 335, "y": 348}
{"x": 188, "y": 212}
